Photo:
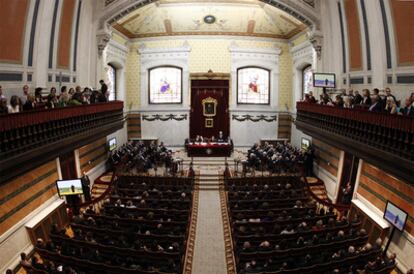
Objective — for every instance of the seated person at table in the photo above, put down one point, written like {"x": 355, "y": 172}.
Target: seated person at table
{"x": 212, "y": 139}
{"x": 199, "y": 139}
{"x": 221, "y": 138}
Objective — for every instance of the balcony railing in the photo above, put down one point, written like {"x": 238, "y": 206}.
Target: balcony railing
{"x": 383, "y": 139}
{"x": 29, "y": 138}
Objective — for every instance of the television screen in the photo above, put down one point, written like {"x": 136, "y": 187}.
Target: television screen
{"x": 69, "y": 187}
{"x": 324, "y": 80}
{"x": 305, "y": 143}
{"x": 396, "y": 216}
{"x": 112, "y": 144}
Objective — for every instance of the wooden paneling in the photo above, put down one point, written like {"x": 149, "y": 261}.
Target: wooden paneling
{"x": 13, "y": 16}
{"x": 92, "y": 154}
{"x": 65, "y": 34}
{"x": 403, "y": 14}
{"x": 21, "y": 196}
{"x": 378, "y": 186}
{"x": 354, "y": 34}
{"x": 284, "y": 126}
{"x": 134, "y": 126}
{"x": 326, "y": 156}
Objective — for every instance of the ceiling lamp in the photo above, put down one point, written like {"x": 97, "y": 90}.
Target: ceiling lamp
{"x": 209, "y": 19}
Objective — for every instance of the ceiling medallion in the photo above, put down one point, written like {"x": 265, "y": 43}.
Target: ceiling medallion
{"x": 209, "y": 19}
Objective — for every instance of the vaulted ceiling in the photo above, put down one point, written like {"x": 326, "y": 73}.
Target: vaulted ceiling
{"x": 214, "y": 17}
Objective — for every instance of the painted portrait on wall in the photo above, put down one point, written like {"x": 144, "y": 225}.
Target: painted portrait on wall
{"x": 165, "y": 85}
{"x": 253, "y": 85}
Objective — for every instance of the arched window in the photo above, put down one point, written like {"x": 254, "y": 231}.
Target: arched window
{"x": 111, "y": 77}
{"x": 307, "y": 82}
{"x": 253, "y": 85}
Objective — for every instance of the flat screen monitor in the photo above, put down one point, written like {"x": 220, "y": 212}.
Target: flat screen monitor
{"x": 324, "y": 80}
{"x": 112, "y": 144}
{"x": 395, "y": 215}
{"x": 305, "y": 144}
{"x": 69, "y": 187}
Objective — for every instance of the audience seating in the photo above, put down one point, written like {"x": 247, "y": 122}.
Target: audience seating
{"x": 141, "y": 228}
{"x": 277, "y": 228}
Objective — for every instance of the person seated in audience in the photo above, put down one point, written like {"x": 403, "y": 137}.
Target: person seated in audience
{"x": 15, "y": 105}
{"x": 52, "y": 99}
{"x": 24, "y": 261}
{"x": 391, "y": 106}
{"x": 324, "y": 98}
{"x": 348, "y": 102}
{"x": 38, "y": 96}
{"x": 351, "y": 96}
{"x": 357, "y": 98}
{"x": 378, "y": 244}
{"x": 376, "y": 105}
{"x": 318, "y": 226}
{"x": 30, "y": 103}
{"x": 76, "y": 99}
{"x": 64, "y": 97}
{"x": 339, "y": 101}
{"x": 389, "y": 95}
{"x": 366, "y": 98}
{"x": 408, "y": 109}
{"x": 1, "y": 93}
{"x": 3, "y": 106}
{"x": 288, "y": 230}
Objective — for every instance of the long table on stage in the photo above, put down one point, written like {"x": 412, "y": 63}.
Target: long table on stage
{"x": 209, "y": 149}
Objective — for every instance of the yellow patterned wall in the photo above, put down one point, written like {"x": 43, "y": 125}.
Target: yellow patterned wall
{"x": 118, "y": 38}
{"x": 300, "y": 39}
{"x": 212, "y": 53}
{"x": 133, "y": 71}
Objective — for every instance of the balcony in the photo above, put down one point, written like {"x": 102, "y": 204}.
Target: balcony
{"x": 384, "y": 140}
{"x": 31, "y": 138}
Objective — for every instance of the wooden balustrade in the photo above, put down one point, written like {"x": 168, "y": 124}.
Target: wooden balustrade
{"x": 382, "y": 139}
{"x": 30, "y": 138}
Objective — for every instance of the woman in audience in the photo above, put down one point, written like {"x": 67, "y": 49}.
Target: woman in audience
{"x": 38, "y": 96}
{"x": 64, "y": 97}
{"x": 391, "y": 106}
{"x": 30, "y": 102}
{"x": 15, "y": 105}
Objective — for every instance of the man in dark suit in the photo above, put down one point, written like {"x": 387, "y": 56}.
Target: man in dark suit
{"x": 408, "y": 109}
{"x": 376, "y": 104}
{"x": 104, "y": 87}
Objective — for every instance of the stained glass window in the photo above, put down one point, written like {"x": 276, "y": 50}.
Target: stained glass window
{"x": 307, "y": 80}
{"x": 165, "y": 85}
{"x": 253, "y": 85}
{"x": 111, "y": 82}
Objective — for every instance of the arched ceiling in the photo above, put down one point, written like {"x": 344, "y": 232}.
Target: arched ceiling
{"x": 186, "y": 17}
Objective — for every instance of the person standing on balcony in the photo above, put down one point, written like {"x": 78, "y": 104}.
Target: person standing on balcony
{"x": 86, "y": 183}
{"x": 104, "y": 88}
{"x": 23, "y": 99}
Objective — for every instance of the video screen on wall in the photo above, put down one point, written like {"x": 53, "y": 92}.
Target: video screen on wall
{"x": 395, "y": 215}
{"x": 69, "y": 187}
{"x": 324, "y": 80}
{"x": 112, "y": 144}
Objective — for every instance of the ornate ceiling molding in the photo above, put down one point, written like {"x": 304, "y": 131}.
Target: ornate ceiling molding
{"x": 298, "y": 9}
